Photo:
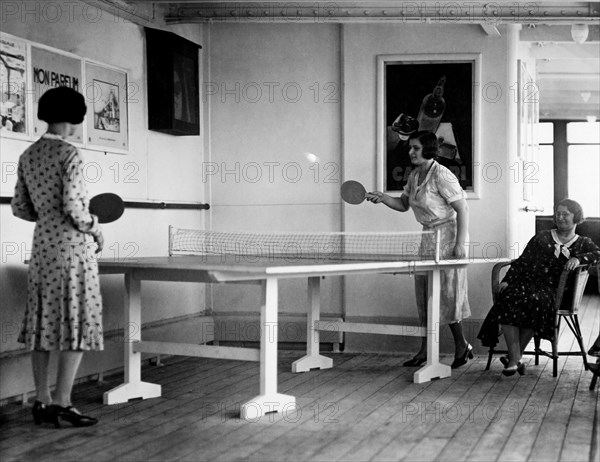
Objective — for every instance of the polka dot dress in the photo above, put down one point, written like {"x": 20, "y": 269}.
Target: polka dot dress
{"x": 64, "y": 305}
{"x": 528, "y": 300}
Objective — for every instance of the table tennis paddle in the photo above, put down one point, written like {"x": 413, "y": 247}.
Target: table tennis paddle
{"x": 353, "y": 192}
{"x": 108, "y": 207}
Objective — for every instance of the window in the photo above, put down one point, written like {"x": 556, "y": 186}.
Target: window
{"x": 583, "y": 151}
{"x": 569, "y": 165}
{"x": 544, "y": 188}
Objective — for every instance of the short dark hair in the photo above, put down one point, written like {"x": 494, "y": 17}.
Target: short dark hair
{"x": 429, "y": 142}
{"x": 573, "y": 207}
{"x": 62, "y": 104}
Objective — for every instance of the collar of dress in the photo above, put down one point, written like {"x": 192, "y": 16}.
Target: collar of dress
{"x": 559, "y": 247}
{"x": 430, "y": 171}
{"x": 52, "y": 136}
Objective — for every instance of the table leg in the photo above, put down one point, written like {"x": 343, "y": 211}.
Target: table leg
{"x": 312, "y": 359}
{"x": 133, "y": 386}
{"x": 268, "y": 400}
{"x": 433, "y": 369}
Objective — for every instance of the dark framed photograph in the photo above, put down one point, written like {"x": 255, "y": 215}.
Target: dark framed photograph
{"x": 438, "y": 93}
{"x": 173, "y": 89}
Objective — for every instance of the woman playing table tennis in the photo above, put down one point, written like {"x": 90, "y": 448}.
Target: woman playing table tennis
{"x": 438, "y": 202}
{"x": 64, "y": 307}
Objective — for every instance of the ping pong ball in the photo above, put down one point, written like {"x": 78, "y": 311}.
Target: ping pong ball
{"x": 311, "y": 157}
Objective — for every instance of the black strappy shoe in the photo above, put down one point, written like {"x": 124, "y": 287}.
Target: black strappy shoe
{"x": 45, "y": 413}
{"x": 75, "y": 418}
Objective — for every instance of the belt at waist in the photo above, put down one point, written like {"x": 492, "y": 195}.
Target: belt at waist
{"x": 438, "y": 223}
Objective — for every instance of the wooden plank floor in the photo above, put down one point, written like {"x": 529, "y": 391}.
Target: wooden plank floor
{"x": 364, "y": 408}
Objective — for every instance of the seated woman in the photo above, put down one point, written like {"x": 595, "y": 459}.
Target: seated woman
{"x": 525, "y": 305}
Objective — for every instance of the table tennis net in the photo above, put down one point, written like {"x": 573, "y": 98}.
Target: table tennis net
{"x": 417, "y": 245}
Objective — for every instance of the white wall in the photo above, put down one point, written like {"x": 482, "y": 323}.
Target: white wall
{"x": 345, "y": 132}
{"x": 274, "y": 96}
{"x": 160, "y": 167}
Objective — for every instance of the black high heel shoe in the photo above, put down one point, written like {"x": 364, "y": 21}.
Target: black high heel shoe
{"x": 44, "y": 413}
{"x": 463, "y": 359}
{"x": 509, "y": 371}
{"x": 74, "y": 417}
{"x": 504, "y": 361}
{"x": 414, "y": 362}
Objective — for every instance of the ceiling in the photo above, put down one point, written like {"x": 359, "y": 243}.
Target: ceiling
{"x": 567, "y": 73}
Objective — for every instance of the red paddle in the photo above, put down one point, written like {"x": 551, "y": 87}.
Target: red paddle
{"x": 353, "y": 192}
{"x": 108, "y": 207}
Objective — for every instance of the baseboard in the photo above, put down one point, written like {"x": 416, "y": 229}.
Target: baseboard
{"x": 16, "y": 381}
{"x": 244, "y": 327}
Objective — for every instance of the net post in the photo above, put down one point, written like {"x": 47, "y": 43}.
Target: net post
{"x": 437, "y": 245}
{"x": 170, "y": 240}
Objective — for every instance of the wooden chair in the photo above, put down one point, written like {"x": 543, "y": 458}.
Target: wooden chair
{"x": 568, "y": 298}
{"x": 595, "y": 369}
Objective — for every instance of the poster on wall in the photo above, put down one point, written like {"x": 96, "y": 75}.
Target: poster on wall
{"x": 428, "y": 93}
{"x": 106, "y": 96}
{"x": 13, "y": 85}
{"x": 51, "y": 69}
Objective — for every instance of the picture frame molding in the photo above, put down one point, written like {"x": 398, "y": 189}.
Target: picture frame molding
{"x": 29, "y": 118}
{"x": 29, "y": 135}
{"x": 123, "y": 107}
{"x": 432, "y": 58}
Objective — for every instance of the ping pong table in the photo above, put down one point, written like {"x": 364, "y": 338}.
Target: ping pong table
{"x": 266, "y": 272}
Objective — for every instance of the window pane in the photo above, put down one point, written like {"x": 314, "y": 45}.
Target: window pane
{"x": 545, "y": 132}
{"x": 583, "y": 132}
{"x": 544, "y": 188}
{"x": 584, "y": 177}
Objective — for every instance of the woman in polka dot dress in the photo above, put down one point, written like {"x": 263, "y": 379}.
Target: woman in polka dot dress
{"x": 526, "y": 302}
{"x": 64, "y": 305}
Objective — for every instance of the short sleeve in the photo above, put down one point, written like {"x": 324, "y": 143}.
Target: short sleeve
{"x": 75, "y": 197}
{"x": 408, "y": 187}
{"x": 448, "y": 185}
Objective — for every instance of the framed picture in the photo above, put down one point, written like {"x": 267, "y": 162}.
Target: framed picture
{"x": 51, "y": 68}
{"x": 14, "y": 105}
{"x": 173, "y": 93}
{"x": 105, "y": 92}
{"x": 434, "y": 92}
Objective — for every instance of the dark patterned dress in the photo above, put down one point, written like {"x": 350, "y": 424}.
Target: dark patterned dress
{"x": 64, "y": 306}
{"x": 528, "y": 300}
